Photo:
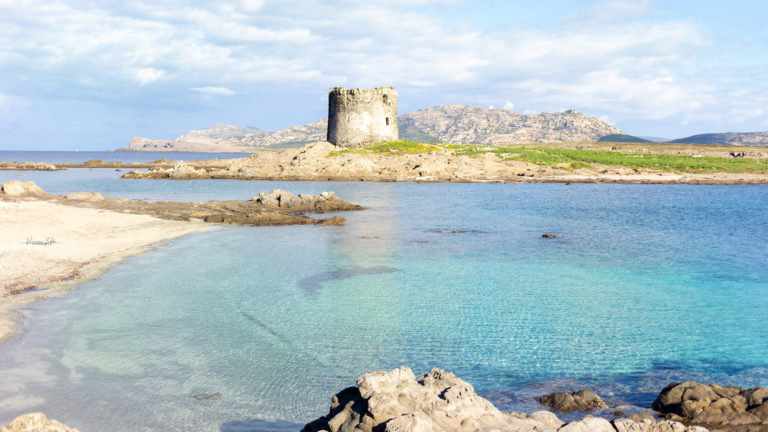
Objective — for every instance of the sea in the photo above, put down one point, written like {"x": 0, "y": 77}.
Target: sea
{"x": 255, "y": 328}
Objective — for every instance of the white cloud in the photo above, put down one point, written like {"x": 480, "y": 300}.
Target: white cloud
{"x": 146, "y": 76}
{"x": 508, "y": 105}
{"x": 615, "y": 56}
{"x": 216, "y": 91}
{"x": 251, "y": 5}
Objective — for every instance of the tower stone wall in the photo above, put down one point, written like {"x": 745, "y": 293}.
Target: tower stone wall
{"x": 361, "y": 116}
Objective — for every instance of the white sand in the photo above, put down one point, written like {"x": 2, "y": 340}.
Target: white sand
{"x": 87, "y": 243}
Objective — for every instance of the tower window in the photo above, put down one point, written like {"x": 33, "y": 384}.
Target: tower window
{"x": 386, "y": 101}
{"x": 387, "y": 118}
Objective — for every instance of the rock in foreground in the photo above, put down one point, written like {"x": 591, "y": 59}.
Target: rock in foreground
{"x": 36, "y": 422}
{"x": 584, "y": 400}
{"x": 714, "y": 405}
{"x": 396, "y": 401}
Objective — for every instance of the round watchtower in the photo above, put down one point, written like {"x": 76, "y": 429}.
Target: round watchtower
{"x": 361, "y": 116}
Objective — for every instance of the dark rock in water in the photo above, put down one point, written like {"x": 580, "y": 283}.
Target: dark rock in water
{"x": 583, "y": 400}
{"x": 714, "y": 405}
{"x": 549, "y": 236}
{"x": 208, "y": 397}
{"x": 335, "y": 220}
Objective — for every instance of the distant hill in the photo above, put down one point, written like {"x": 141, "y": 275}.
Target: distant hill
{"x": 444, "y": 123}
{"x": 218, "y": 133}
{"x": 622, "y": 138}
{"x": 475, "y": 125}
{"x": 728, "y": 138}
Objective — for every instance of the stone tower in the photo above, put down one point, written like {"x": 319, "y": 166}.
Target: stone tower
{"x": 361, "y": 116}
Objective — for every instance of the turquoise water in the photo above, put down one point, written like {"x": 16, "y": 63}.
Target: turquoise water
{"x": 645, "y": 284}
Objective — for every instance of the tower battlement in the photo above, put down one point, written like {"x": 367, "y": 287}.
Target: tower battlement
{"x": 362, "y": 116}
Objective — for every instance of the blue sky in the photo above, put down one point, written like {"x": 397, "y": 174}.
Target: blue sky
{"x": 90, "y": 75}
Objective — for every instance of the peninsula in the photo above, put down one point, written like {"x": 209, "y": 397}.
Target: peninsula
{"x": 405, "y": 161}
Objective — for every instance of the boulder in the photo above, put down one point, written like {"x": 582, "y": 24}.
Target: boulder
{"x": 588, "y": 424}
{"x": 649, "y": 425}
{"x": 584, "y": 400}
{"x": 396, "y": 401}
{"x": 714, "y": 405}
{"x": 17, "y": 188}
{"x": 326, "y": 201}
{"x": 36, "y": 422}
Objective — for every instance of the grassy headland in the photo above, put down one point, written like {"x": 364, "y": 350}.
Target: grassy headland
{"x": 637, "y": 156}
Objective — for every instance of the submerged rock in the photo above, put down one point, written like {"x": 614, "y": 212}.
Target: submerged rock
{"x": 208, "y": 397}
{"x": 36, "y": 422}
{"x": 715, "y": 405}
{"x": 584, "y": 400}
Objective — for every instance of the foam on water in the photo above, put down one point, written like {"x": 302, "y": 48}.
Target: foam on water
{"x": 644, "y": 285}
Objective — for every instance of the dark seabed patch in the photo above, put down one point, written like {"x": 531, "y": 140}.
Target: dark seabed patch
{"x": 254, "y": 425}
{"x": 314, "y": 283}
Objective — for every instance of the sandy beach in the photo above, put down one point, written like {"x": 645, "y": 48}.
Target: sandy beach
{"x": 47, "y": 249}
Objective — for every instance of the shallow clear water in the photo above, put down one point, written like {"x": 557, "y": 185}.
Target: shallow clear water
{"x": 644, "y": 285}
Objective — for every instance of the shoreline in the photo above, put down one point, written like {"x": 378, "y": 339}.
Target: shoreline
{"x": 75, "y": 257}
{"x": 322, "y": 161}
{"x": 50, "y": 244}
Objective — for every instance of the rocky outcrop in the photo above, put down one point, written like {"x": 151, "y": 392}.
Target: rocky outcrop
{"x": 321, "y": 161}
{"x": 584, "y": 400}
{"x": 36, "y": 422}
{"x": 715, "y": 405}
{"x": 276, "y": 208}
{"x": 326, "y": 201}
{"x": 397, "y": 401}
{"x": 36, "y": 166}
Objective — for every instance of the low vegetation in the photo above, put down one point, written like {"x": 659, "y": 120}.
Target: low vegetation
{"x": 391, "y": 148}
{"x": 558, "y": 156}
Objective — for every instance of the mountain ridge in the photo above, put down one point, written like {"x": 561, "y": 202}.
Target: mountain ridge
{"x": 450, "y": 124}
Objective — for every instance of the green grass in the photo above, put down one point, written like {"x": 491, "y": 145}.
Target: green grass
{"x": 651, "y": 161}
{"x": 565, "y": 158}
{"x": 391, "y": 148}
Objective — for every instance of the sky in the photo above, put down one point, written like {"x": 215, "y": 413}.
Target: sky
{"x": 91, "y": 75}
